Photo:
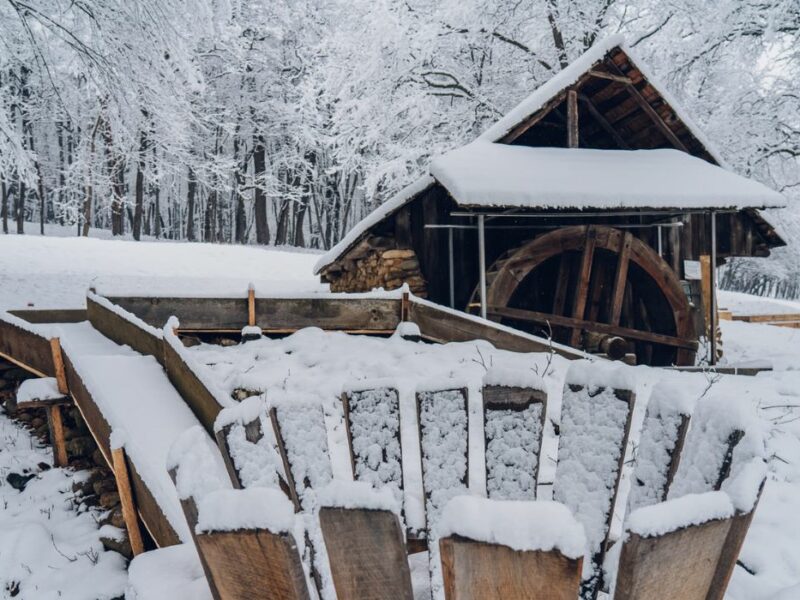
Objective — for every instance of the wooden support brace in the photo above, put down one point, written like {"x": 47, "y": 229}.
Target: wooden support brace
{"x": 579, "y": 305}
{"x": 251, "y": 306}
{"x": 58, "y": 365}
{"x": 56, "y": 426}
{"x": 121, "y": 475}
{"x": 572, "y": 119}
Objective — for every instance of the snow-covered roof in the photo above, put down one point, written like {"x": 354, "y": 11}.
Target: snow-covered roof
{"x": 483, "y": 174}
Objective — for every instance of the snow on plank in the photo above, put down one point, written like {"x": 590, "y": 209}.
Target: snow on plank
{"x": 443, "y": 421}
{"x": 364, "y": 542}
{"x": 595, "y": 422}
{"x": 372, "y": 420}
{"x": 513, "y": 421}
{"x": 247, "y": 447}
{"x": 664, "y": 430}
{"x": 303, "y": 445}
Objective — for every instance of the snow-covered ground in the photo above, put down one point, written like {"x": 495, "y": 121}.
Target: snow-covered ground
{"x": 50, "y": 548}
{"x": 55, "y": 270}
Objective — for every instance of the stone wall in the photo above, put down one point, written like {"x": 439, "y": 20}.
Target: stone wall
{"x": 99, "y": 489}
{"x": 376, "y": 262}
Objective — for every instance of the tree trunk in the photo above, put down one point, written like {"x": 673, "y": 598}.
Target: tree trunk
{"x": 139, "y": 207}
{"x": 259, "y": 197}
{"x": 39, "y": 182}
{"x": 4, "y": 204}
{"x": 240, "y": 214}
{"x": 191, "y": 193}
{"x": 89, "y": 201}
{"x": 20, "y": 208}
{"x": 116, "y": 172}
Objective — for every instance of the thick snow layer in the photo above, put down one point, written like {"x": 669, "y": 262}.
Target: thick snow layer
{"x": 589, "y": 451}
{"x": 357, "y": 494}
{"x": 253, "y": 508}
{"x": 258, "y": 463}
{"x": 380, "y": 213}
{"x": 45, "y": 388}
{"x": 171, "y": 573}
{"x": 526, "y": 378}
{"x": 718, "y": 415}
{"x": 600, "y": 374}
{"x": 671, "y": 401}
{"x": 65, "y": 267}
{"x": 242, "y": 413}
{"x": 199, "y": 470}
{"x": 513, "y": 439}
{"x": 521, "y": 526}
{"x": 692, "y": 509}
{"x": 49, "y": 548}
{"x": 487, "y": 175}
{"x": 375, "y": 433}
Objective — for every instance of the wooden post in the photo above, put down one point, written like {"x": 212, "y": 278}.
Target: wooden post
{"x": 705, "y": 289}
{"x": 480, "y": 571}
{"x": 572, "y": 119}
{"x": 404, "y": 301}
{"x": 482, "y": 262}
{"x": 58, "y": 365}
{"x": 126, "y": 499}
{"x": 585, "y": 273}
{"x": 367, "y": 554}
{"x": 56, "y": 426}
{"x": 251, "y": 306}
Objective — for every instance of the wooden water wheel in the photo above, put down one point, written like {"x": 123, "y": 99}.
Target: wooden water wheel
{"x": 592, "y": 285}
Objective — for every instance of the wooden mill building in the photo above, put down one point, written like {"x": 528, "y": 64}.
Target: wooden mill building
{"x": 574, "y": 215}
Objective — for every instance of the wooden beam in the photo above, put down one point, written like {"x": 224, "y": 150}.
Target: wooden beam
{"x": 58, "y": 366}
{"x": 404, "y": 301}
{"x": 601, "y": 120}
{"x": 126, "y": 499}
{"x": 56, "y": 426}
{"x": 585, "y": 272}
{"x": 705, "y": 292}
{"x": 620, "y": 278}
{"x": 625, "y": 332}
{"x": 251, "y": 306}
{"x": 560, "y": 296}
{"x": 651, "y": 112}
{"x": 610, "y": 76}
{"x": 573, "y": 126}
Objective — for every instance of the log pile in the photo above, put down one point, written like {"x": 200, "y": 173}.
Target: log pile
{"x": 376, "y": 262}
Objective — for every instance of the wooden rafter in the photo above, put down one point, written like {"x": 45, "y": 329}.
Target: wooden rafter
{"x": 573, "y": 125}
{"x": 601, "y": 120}
{"x": 610, "y": 76}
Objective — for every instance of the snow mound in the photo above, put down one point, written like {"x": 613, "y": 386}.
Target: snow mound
{"x": 197, "y": 463}
{"x": 692, "y": 509}
{"x": 522, "y": 526}
{"x": 253, "y": 508}
{"x": 357, "y": 494}
{"x": 504, "y": 377}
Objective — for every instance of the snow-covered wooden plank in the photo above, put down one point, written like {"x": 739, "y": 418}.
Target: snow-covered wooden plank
{"x": 302, "y": 441}
{"x": 247, "y": 542}
{"x": 26, "y": 345}
{"x": 442, "y": 415}
{"x": 513, "y": 421}
{"x": 494, "y": 550}
{"x": 671, "y": 549}
{"x": 372, "y": 420}
{"x": 250, "y": 455}
{"x": 658, "y": 455}
{"x": 124, "y": 327}
{"x": 595, "y": 423}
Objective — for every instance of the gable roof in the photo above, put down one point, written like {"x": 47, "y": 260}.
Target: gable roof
{"x": 610, "y": 80}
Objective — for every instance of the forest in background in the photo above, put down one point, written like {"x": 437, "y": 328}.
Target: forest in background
{"x": 286, "y": 121}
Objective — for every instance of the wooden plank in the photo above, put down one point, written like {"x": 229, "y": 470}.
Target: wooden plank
{"x": 329, "y": 313}
{"x": 625, "y": 332}
{"x": 620, "y": 278}
{"x": 123, "y": 331}
{"x": 479, "y": 571}
{"x": 513, "y": 420}
{"x": 56, "y": 426}
{"x": 734, "y": 541}
{"x": 581, "y": 291}
{"x": 246, "y": 564}
{"x": 562, "y": 283}
{"x": 193, "y": 313}
{"x": 573, "y": 126}
{"x": 444, "y": 326}
{"x": 58, "y": 365}
{"x": 127, "y": 501}
{"x": 679, "y": 564}
{"x": 202, "y": 402}
{"x": 367, "y": 554}
{"x": 26, "y": 349}
{"x": 772, "y": 319}
{"x": 57, "y": 315}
